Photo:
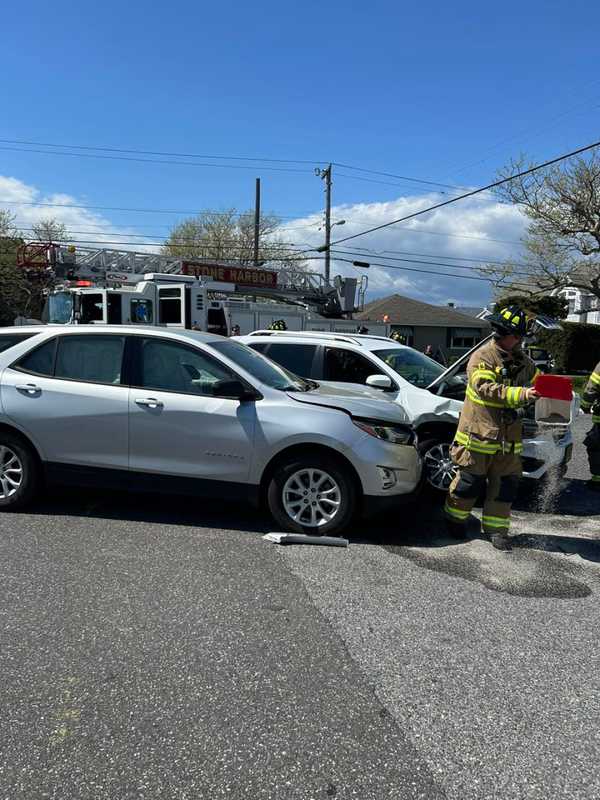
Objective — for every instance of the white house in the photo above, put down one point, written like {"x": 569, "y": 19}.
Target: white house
{"x": 583, "y": 307}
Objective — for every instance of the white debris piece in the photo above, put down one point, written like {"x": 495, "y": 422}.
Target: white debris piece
{"x": 302, "y": 538}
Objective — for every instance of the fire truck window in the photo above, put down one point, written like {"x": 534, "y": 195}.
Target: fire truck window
{"x": 346, "y": 366}
{"x": 90, "y": 358}
{"x": 298, "y": 358}
{"x": 141, "y": 311}
{"x": 170, "y": 306}
{"x": 216, "y": 322}
{"x": 114, "y": 309}
{"x": 92, "y": 306}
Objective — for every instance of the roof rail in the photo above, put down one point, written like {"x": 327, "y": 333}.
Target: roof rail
{"x": 333, "y": 336}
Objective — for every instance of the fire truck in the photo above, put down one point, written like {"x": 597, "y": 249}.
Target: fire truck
{"x": 107, "y": 286}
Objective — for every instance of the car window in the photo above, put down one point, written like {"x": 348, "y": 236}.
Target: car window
{"x": 347, "y": 366}
{"x": 12, "y": 339}
{"x": 261, "y": 368}
{"x": 298, "y": 358}
{"x": 90, "y": 358}
{"x": 261, "y": 347}
{"x": 171, "y": 367}
{"x": 39, "y": 361}
{"x": 414, "y": 367}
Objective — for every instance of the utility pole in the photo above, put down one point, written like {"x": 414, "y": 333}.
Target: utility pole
{"x": 256, "y": 221}
{"x": 326, "y": 176}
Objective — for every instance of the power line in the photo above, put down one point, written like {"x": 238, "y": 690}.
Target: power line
{"x": 391, "y": 175}
{"x": 482, "y": 259}
{"x": 196, "y": 211}
{"x": 137, "y": 151}
{"x": 472, "y": 193}
{"x": 423, "y": 271}
{"x": 430, "y": 263}
{"x": 374, "y": 180}
{"x": 154, "y": 160}
{"x": 162, "y": 153}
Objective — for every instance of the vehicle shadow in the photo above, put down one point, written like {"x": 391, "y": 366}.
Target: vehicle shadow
{"x": 158, "y": 509}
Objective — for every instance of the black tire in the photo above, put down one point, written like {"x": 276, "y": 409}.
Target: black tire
{"x": 280, "y": 493}
{"x": 15, "y": 455}
{"x": 427, "y": 448}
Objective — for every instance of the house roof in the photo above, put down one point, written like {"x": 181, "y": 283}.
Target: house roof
{"x": 406, "y": 311}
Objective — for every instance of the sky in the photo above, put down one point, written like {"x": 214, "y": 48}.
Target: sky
{"x": 438, "y": 96}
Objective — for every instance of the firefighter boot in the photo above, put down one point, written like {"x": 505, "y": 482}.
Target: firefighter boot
{"x": 456, "y": 530}
{"x": 500, "y": 540}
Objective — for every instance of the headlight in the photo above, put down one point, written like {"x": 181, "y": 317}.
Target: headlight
{"x": 395, "y": 434}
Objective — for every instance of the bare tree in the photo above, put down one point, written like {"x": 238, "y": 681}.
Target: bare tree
{"x": 50, "y": 230}
{"x": 229, "y": 236}
{"x": 562, "y": 243}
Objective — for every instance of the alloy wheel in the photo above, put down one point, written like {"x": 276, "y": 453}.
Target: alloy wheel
{"x": 11, "y": 472}
{"x": 311, "y": 497}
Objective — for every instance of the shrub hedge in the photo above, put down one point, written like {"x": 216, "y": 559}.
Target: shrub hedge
{"x": 576, "y": 348}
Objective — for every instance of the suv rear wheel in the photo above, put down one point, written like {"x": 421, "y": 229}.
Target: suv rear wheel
{"x": 312, "y": 494}
{"x": 438, "y": 468}
{"x": 18, "y": 473}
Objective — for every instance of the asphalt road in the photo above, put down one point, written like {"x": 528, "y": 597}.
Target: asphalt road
{"x": 158, "y": 647}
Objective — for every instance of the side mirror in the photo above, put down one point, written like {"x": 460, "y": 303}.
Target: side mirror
{"x": 234, "y": 390}
{"x": 379, "y": 381}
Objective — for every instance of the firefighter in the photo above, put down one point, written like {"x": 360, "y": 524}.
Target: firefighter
{"x": 487, "y": 445}
{"x": 590, "y": 403}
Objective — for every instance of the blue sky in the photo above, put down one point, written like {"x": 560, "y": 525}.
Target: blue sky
{"x": 440, "y": 91}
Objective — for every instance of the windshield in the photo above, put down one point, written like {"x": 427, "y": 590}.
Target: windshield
{"x": 261, "y": 368}
{"x": 413, "y": 366}
{"x": 59, "y": 308}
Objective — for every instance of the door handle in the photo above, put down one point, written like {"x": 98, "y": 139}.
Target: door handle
{"x": 28, "y": 388}
{"x": 149, "y": 402}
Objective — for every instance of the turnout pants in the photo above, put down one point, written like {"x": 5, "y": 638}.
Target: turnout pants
{"x": 497, "y": 474}
{"x": 592, "y": 445}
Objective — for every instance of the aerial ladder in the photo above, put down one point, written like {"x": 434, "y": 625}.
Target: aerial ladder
{"x": 106, "y": 285}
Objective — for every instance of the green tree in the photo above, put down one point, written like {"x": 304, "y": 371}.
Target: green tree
{"x": 562, "y": 243}
{"x": 14, "y": 291}
{"x": 229, "y": 236}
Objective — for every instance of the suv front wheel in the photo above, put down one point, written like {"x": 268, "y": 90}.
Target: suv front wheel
{"x": 438, "y": 469}
{"x": 313, "y": 495}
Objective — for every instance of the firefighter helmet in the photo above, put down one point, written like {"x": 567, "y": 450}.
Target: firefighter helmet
{"x": 509, "y": 321}
{"x": 278, "y": 325}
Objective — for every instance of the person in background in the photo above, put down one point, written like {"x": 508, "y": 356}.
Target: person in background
{"x": 235, "y": 331}
{"x": 362, "y": 330}
{"x": 429, "y": 351}
{"x": 590, "y": 404}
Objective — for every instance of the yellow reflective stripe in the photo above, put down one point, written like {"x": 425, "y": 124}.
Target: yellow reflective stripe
{"x": 496, "y": 522}
{"x": 457, "y": 513}
{"x": 586, "y": 403}
{"x": 489, "y": 448}
{"x": 513, "y": 396}
{"x": 535, "y": 374}
{"x": 595, "y": 418}
{"x": 595, "y": 378}
{"x": 596, "y": 478}
{"x": 506, "y": 314}
{"x": 476, "y": 399}
{"x": 482, "y": 373}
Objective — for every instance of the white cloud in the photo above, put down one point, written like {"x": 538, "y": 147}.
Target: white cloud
{"x": 15, "y": 196}
{"x": 475, "y": 228}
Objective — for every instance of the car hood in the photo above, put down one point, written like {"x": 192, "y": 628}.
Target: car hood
{"x": 367, "y": 404}
{"x": 417, "y": 405}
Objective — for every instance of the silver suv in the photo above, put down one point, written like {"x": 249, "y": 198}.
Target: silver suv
{"x": 430, "y": 395}
{"x": 195, "y": 413}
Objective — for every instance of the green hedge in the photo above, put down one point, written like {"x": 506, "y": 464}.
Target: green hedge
{"x": 575, "y": 349}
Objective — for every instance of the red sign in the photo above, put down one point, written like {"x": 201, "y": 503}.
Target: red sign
{"x": 244, "y": 276}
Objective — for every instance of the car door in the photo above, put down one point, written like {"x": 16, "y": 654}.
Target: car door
{"x": 179, "y": 422}
{"x": 67, "y": 395}
{"x": 346, "y": 366}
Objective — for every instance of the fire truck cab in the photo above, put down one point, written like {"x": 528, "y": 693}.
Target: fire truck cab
{"x": 174, "y": 301}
